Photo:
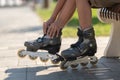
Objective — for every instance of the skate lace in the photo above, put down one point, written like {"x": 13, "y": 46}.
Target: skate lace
{"x": 75, "y": 44}
{"x": 40, "y": 39}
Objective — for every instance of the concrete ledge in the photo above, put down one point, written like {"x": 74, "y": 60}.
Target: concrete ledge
{"x": 112, "y": 16}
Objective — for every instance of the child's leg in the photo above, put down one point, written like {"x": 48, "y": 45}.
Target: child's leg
{"x": 88, "y": 46}
{"x": 46, "y": 42}
{"x": 84, "y": 13}
{"x": 65, "y": 14}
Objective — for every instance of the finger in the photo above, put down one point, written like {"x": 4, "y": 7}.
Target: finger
{"x": 48, "y": 31}
{"x": 44, "y": 28}
{"x": 57, "y": 33}
{"x": 53, "y": 30}
{"x": 53, "y": 33}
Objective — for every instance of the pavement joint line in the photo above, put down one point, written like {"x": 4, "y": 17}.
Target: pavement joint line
{"x": 96, "y": 72}
{"x": 96, "y": 69}
{"x": 26, "y": 73}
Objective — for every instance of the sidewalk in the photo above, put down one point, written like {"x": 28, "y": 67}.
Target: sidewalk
{"x": 21, "y": 24}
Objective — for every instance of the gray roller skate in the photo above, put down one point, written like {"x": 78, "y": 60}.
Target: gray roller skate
{"x": 51, "y": 45}
{"x": 82, "y": 52}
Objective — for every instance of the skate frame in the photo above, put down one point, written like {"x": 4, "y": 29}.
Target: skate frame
{"x": 44, "y": 55}
{"x": 80, "y": 60}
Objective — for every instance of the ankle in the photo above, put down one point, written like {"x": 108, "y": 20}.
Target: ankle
{"x": 84, "y": 28}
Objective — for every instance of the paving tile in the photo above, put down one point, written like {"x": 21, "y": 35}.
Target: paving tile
{"x": 101, "y": 73}
{"x": 16, "y": 69}
{"x": 117, "y": 78}
{"x": 36, "y": 69}
{"x": 8, "y": 61}
{"x": 32, "y": 63}
{"x": 10, "y": 53}
{"x": 26, "y": 62}
{"x": 53, "y": 73}
{"x": 9, "y": 73}
{"x": 15, "y": 76}
{"x": 107, "y": 78}
{"x": 15, "y": 73}
{"x": 3, "y": 69}
{"x": 31, "y": 76}
{"x": 108, "y": 60}
{"x": 3, "y": 72}
{"x": 113, "y": 66}
{"x": 64, "y": 75}
{"x": 106, "y": 75}
{"x": 98, "y": 65}
{"x": 118, "y": 60}
{"x": 2, "y": 75}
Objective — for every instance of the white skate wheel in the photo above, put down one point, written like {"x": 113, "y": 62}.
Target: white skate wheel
{"x": 20, "y": 53}
{"x": 32, "y": 57}
{"x": 62, "y": 65}
{"x": 55, "y": 62}
{"x": 44, "y": 59}
{"x": 84, "y": 64}
{"x": 94, "y": 61}
{"x": 74, "y": 66}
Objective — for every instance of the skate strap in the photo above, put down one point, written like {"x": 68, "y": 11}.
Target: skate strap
{"x": 40, "y": 39}
{"x": 75, "y": 44}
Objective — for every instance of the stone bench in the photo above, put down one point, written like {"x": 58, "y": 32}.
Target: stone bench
{"x": 112, "y": 15}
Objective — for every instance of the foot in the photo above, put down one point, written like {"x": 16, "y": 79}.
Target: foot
{"x": 86, "y": 47}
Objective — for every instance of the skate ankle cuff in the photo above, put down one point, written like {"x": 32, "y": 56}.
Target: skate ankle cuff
{"x": 86, "y": 29}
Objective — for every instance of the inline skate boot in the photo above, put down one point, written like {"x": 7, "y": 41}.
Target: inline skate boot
{"x": 51, "y": 45}
{"x": 82, "y": 52}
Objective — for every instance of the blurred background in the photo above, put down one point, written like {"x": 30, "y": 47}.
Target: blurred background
{"x": 16, "y": 3}
{"x": 11, "y": 3}
{"x": 44, "y": 9}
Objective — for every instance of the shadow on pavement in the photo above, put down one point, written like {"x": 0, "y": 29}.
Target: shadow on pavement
{"x": 106, "y": 69}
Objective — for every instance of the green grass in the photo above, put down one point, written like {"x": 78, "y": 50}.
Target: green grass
{"x": 70, "y": 30}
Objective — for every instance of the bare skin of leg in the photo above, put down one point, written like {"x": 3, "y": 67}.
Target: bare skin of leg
{"x": 63, "y": 17}
{"x": 84, "y": 13}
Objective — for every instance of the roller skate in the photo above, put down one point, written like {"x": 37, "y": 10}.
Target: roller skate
{"x": 50, "y": 45}
{"x": 82, "y": 52}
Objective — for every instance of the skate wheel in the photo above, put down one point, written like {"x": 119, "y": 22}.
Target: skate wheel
{"x": 74, "y": 66}
{"x": 62, "y": 65}
{"x": 55, "y": 62}
{"x": 32, "y": 57}
{"x": 44, "y": 59}
{"x": 20, "y": 53}
{"x": 84, "y": 64}
{"x": 94, "y": 61}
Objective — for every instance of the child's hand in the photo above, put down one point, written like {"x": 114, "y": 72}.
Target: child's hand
{"x": 54, "y": 30}
{"x": 47, "y": 24}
